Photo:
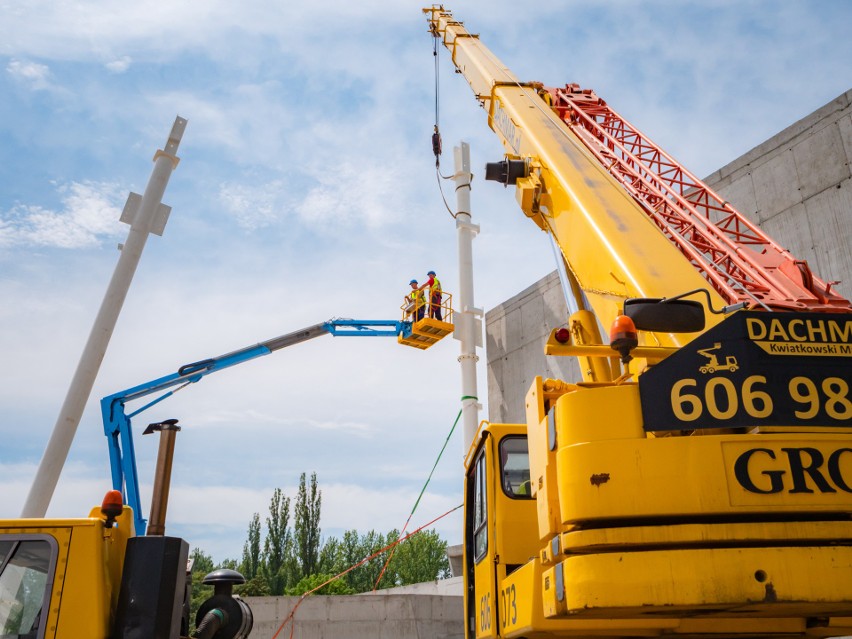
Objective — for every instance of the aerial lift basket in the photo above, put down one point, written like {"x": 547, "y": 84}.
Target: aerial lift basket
{"x": 427, "y": 330}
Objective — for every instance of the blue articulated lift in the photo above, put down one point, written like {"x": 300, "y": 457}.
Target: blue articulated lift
{"x": 122, "y": 457}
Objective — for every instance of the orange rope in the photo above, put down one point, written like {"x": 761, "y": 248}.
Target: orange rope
{"x": 422, "y": 490}
{"x": 291, "y": 616}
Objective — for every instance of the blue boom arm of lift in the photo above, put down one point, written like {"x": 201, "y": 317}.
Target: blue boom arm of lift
{"x": 122, "y": 457}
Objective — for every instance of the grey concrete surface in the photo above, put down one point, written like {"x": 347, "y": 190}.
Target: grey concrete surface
{"x": 451, "y": 587}
{"x": 797, "y": 186}
{"x": 456, "y": 556}
{"x": 393, "y": 616}
{"x": 515, "y": 332}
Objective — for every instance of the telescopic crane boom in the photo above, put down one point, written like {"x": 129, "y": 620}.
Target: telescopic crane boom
{"x": 605, "y": 192}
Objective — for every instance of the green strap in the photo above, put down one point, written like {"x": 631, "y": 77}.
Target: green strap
{"x": 423, "y": 490}
{"x": 443, "y": 448}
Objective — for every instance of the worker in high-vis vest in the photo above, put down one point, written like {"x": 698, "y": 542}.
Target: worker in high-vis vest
{"x": 435, "y": 295}
{"x": 416, "y": 302}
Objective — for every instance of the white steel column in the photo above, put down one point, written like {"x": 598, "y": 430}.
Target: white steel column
{"x": 145, "y": 214}
{"x": 468, "y": 318}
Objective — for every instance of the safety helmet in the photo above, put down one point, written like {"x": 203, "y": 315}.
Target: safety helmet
{"x": 432, "y": 273}
{"x": 413, "y": 282}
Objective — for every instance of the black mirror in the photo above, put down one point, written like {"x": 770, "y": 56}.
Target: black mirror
{"x": 674, "y": 316}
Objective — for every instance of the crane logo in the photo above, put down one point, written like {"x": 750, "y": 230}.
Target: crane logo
{"x": 713, "y": 363}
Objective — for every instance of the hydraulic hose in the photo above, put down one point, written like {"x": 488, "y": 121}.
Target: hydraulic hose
{"x": 212, "y": 622}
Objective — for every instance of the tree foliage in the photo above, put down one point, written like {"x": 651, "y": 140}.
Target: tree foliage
{"x": 307, "y": 525}
{"x": 202, "y": 565}
{"x": 421, "y": 557}
{"x": 250, "y": 563}
{"x": 330, "y": 586}
{"x": 294, "y": 560}
{"x": 255, "y": 587}
{"x": 357, "y": 549}
{"x": 277, "y": 563}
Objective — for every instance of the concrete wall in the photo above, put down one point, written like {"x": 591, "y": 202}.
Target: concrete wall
{"x": 796, "y": 186}
{"x": 515, "y": 333}
{"x": 392, "y": 616}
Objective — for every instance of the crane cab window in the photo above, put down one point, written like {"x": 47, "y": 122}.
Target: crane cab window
{"x": 480, "y": 511}
{"x": 25, "y": 575}
{"x": 515, "y": 467}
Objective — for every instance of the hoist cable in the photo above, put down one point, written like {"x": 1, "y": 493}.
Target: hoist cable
{"x": 436, "y": 135}
{"x": 438, "y": 176}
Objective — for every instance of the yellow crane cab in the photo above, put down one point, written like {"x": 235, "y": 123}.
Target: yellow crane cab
{"x": 60, "y": 578}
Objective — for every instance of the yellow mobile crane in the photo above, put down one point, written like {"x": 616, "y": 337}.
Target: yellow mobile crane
{"x": 655, "y": 497}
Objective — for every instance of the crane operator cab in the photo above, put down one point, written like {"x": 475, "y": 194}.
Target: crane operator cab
{"x": 498, "y": 538}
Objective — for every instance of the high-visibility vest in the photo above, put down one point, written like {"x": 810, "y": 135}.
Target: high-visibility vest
{"x": 436, "y": 287}
{"x": 417, "y": 298}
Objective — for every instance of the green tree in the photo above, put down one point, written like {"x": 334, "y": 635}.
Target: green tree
{"x": 255, "y": 587}
{"x": 306, "y": 527}
{"x": 421, "y": 557}
{"x": 232, "y": 564}
{"x": 330, "y": 560}
{"x": 202, "y": 565}
{"x": 277, "y": 545}
{"x": 351, "y": 550}
{"x": 382, "y": 567}
{"x": 334, "y": 587}
{"x": 250, "y": 564}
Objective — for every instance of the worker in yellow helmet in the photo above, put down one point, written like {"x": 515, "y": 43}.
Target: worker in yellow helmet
{"x": 435, "y": 295}
{"x": 416, "y": 301}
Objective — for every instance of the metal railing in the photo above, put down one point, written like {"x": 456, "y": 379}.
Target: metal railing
{"x": 443, "y": 312}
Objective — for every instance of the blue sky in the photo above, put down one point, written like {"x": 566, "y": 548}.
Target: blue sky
{"x": 306, "y": 190}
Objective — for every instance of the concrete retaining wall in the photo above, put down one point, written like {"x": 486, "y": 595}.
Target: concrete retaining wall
{"x": 797, "y": 186}
{"x": 393, "y": 616}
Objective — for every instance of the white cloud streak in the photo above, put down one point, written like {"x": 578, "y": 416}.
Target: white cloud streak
{"x": 121, "y": 65}
{"x": 33, "y": 74}
{"x": 89, "y": 214}
{"x": 254, "y": 208}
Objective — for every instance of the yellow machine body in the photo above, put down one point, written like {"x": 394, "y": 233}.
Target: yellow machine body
{"x": 61, "y": 576}
{"x": 648, "y": 536}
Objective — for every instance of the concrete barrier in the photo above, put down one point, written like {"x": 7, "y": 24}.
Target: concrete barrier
{"x": 366, "y": 616}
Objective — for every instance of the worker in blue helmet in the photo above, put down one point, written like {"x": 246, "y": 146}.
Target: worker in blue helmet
{"x": 435, "y": 295}
{"x": 415, "y": 302}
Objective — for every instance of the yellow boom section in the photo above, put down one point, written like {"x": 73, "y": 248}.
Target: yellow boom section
{"x": 610, "y": 246}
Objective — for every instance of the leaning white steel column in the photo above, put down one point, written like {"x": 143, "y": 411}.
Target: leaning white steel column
{"x": 145, "y": 214}
{"x": 468, "y": 318}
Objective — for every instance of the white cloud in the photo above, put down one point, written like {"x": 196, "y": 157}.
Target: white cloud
{"x": 254, "y": 207}
{"x": 271, "y": 423}
{"x": 89, "y": 213}
{"x": 353, "y": 195}
{"x": 120, "y": 65}
{"x": 35, "y": 75}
